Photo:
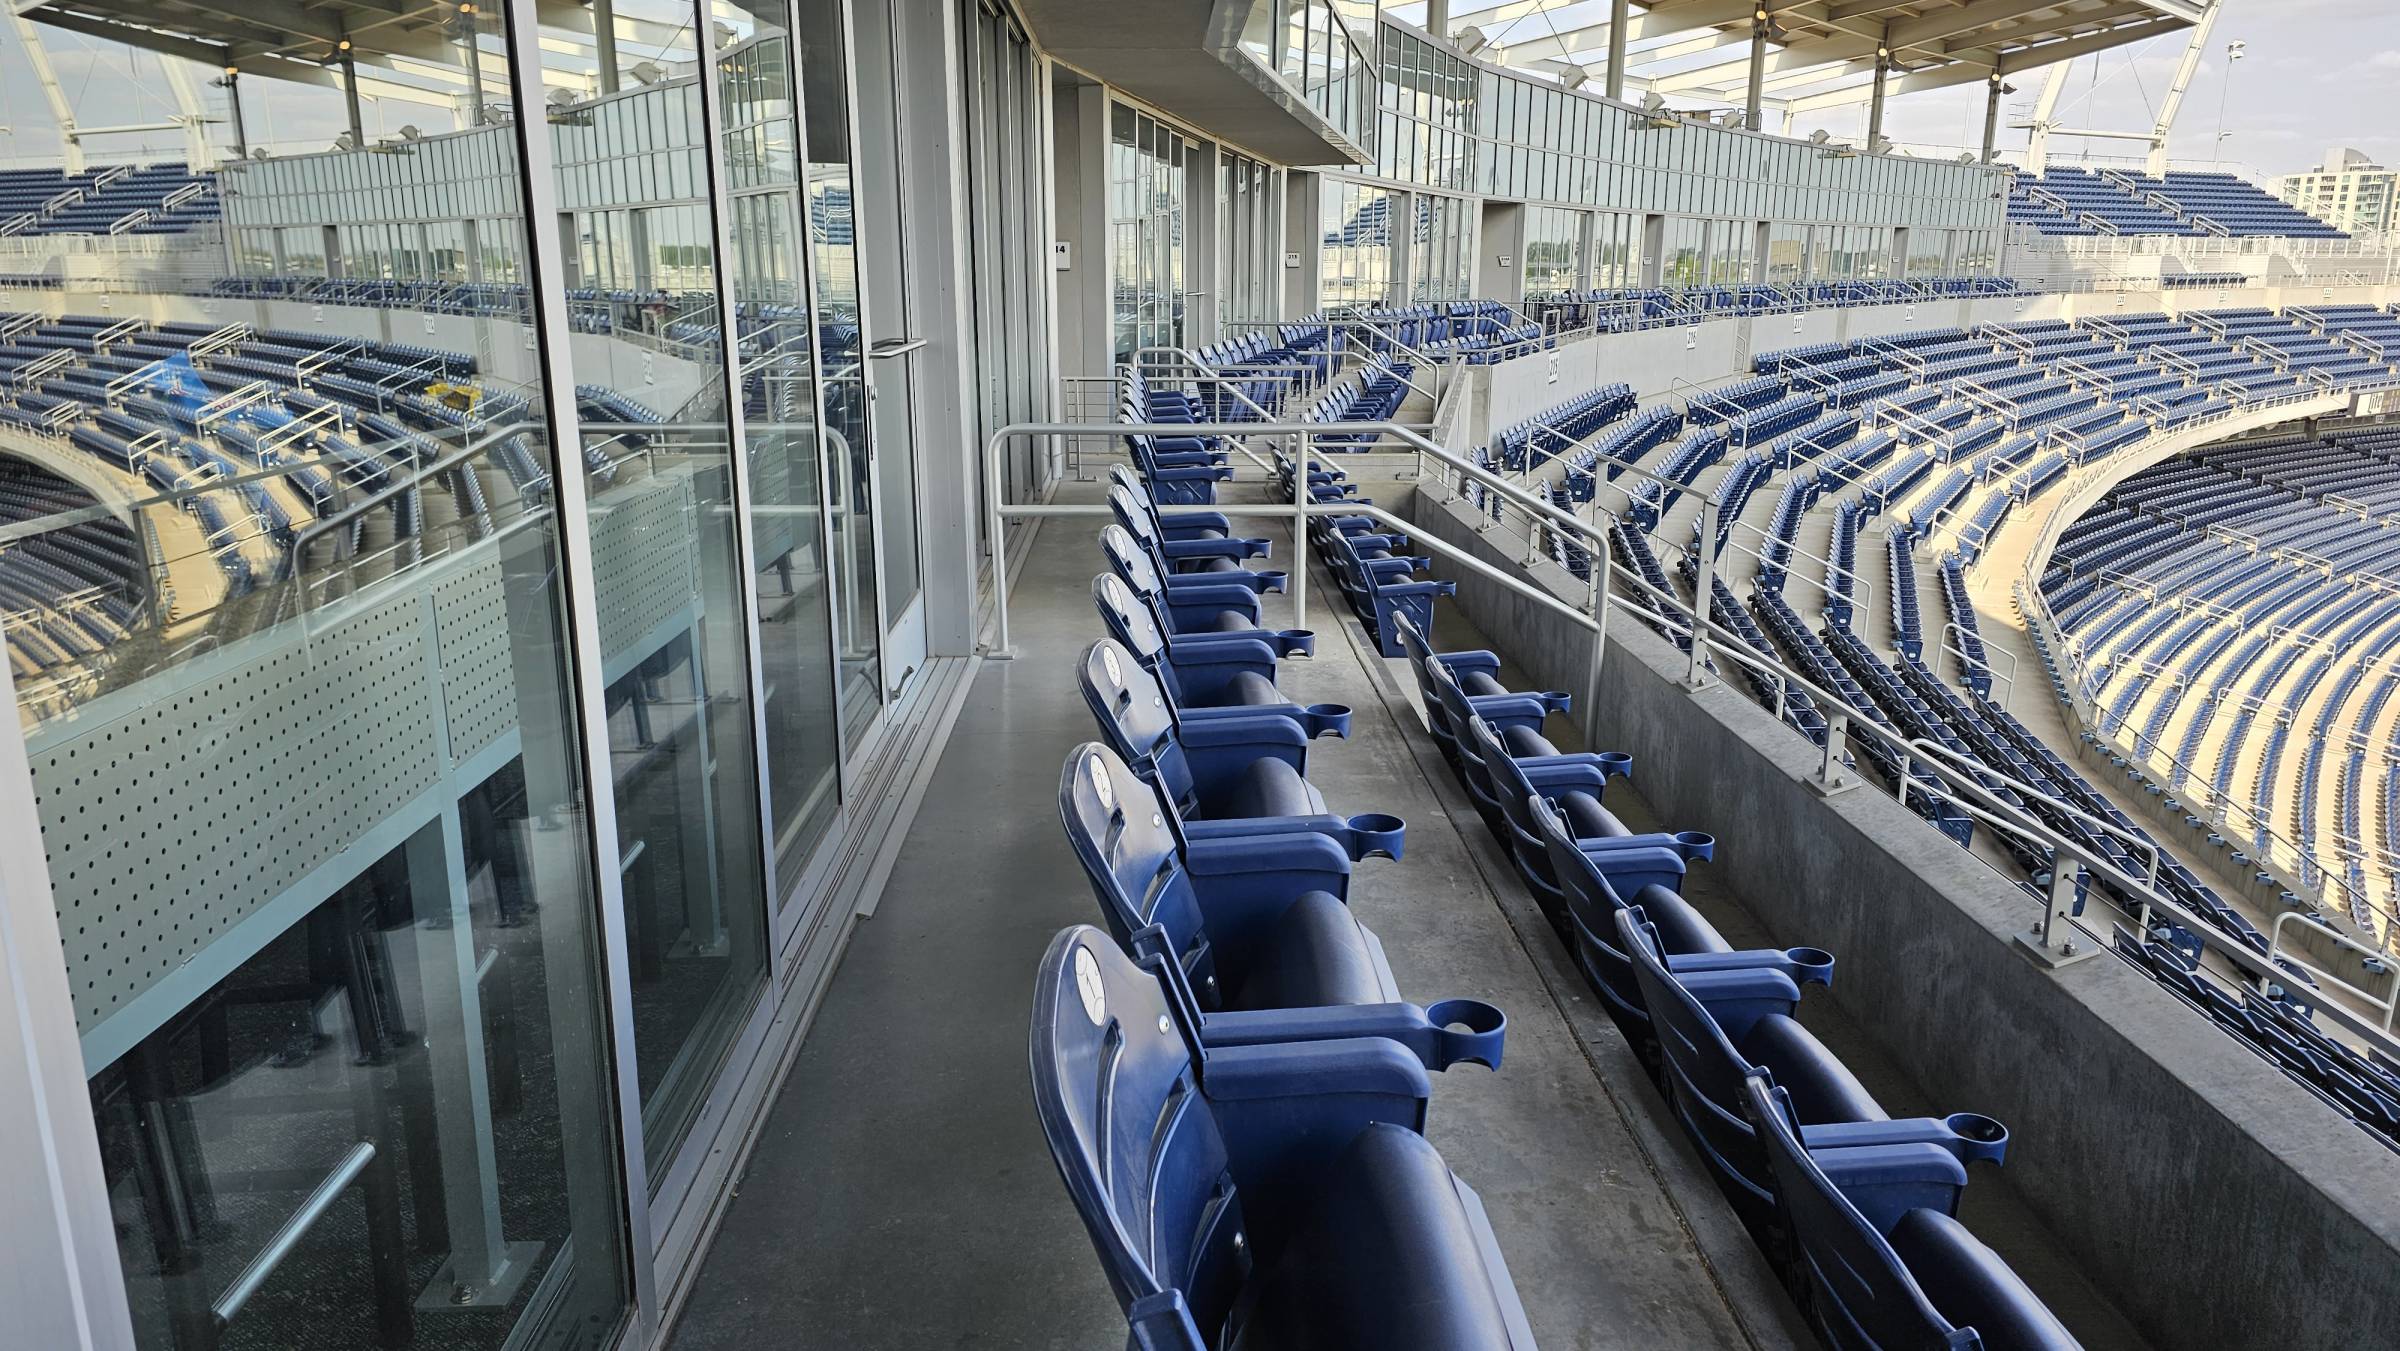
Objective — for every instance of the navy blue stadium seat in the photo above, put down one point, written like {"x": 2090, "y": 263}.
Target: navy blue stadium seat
{"x": 1875, "y": 1229}
{"x": 1212, "y": 770}
{"x": 1197, "y": 605}
{"x": 1270, "y": 1195}
{"x": 1253, "y": 921}
{"x": 1215, "y": 670}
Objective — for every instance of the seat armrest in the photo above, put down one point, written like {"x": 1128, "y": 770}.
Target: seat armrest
{"x": 1445, "y": 1034}
{"x": 1968, "y": 1137}
{"x": 1209, "y": 548}
{"x": 1371, "y": 1066}
{"x": 1371, "y": 835}
{"x": 1315, "y": 720}
{"x": 1473, "y": 661}
{"x": 1804, "y": 966}
{"x": 1740, "y": 997}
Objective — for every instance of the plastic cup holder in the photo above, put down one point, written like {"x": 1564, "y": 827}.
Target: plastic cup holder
{"x": 1271, "y": 581}
{"x": 1467, "y": 1029}
{"x": 1298, "y": 642}
{"x": 1988, "y": 1139}
{"x": 1696, "y": 844}
{"x": 1376, "y": 835}
{"x": 1326, "y": 719}
{"x": 1810, "y": 964}
{"x": 1616, "y": 764}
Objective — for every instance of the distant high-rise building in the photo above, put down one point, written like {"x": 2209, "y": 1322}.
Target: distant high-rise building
{"x": 2349, "y": 190}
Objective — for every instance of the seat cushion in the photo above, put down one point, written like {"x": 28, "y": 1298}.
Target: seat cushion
{"x": 1314, "y": 954}
{"x": 1480, "y": 683}
{"x": 1823, "y": 1089}
{"x": 1250, "y": 689}
{"x": 1680, "y": 928}
{"x": 1265, "y": 787}
{"x": 1387, "y": 1259}
{"x": 1972, "y": 1287}
{"x": 1525, "y": 741}
{"x": 1587, "y": 819}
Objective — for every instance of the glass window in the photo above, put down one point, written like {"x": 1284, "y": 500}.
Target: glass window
{"x": 652, "y": 399}
{"x": 774, "y": 218}
{"x": 309, "y": 557}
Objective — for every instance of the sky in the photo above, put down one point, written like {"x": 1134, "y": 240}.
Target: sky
{"x": 2316, "y": 74}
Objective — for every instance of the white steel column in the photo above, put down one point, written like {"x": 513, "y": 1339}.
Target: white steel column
{"x": 60, "y": 1280}
{"x": 1617, "y": 19}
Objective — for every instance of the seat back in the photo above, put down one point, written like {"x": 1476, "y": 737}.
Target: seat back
{"x": 1592, "y": 905}
{"x": 1137, "y": 721}
{"x": 1704, "y": 1072}
{"x": 1137, "y": 514}
{"x": 1119, "y": 1098}
{"x": 1455, "y": 709}
{"x": 1138, "y": 568}
{"x": 1864, "y": 1295}
{"x": 1128, "y": 621}
{"x": 1118, "y": 828}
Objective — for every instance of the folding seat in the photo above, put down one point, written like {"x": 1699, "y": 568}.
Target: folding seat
{"x": 1516, "y": 720}
{"x": 1254, "y": 913}
{"x": 1201, "y": 542}
{"x": 1222, "y": 765}
{"x": 1195, "y": 607}
{"x": 1180, "y": 478}
{"x": 1875, "y": 1231}
{"x": 1572, "y": 783}
{"x": 1197, "y": 672}
{"x": 1476, "y": 674}
{"x": 1265, "y": 1187}
{"x": 1382, "y": 587}
{"x": 1720, "y": 1017}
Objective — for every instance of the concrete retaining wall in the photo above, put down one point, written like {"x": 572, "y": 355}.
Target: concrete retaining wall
{"x": 2211, "y": 1197}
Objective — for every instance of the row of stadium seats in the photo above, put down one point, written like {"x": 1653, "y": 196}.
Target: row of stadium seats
{"x": 1800, "y": 1148}
{"x": 1621, "y": 309}
{"x": 111, "y": 199}
{"x": 299, "y": 427}
{"x": 1230, "y": 1082}
{"x": 2069, "y": 200}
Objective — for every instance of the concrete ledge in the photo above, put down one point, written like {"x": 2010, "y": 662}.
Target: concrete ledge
{"x": 2212, "y": 1197}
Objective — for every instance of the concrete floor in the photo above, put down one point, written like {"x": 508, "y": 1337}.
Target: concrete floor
{"x": 900, "y": 1194}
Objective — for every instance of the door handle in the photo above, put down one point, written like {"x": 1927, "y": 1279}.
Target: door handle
{"x": 894, "y": 347}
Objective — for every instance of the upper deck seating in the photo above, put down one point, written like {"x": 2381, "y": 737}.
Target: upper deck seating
{"x": 1262, "y": 1191}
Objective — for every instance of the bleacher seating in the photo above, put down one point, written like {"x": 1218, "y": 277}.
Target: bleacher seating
{"x": 109, "y": 199}
{"x": 2069, "y": 200}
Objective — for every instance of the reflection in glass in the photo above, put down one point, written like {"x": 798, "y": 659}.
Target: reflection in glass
{"x": 279, "y": 579}
{"x": 650, "y": 392}
{"x": 841, "y": 372}
{"x": 778, "y": 354}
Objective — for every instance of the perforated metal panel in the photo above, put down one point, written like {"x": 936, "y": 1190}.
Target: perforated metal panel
{"x": 169, "y": 824}
{"x": 470, "y": 612}
{"x": 645, "y": 568}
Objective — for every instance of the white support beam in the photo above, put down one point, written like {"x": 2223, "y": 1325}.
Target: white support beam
{"x": 2045, "y": 110}
{"x": 2173, "y": 103}
{"x": 2011, "y": 62}
{"x": 61, "y": 111}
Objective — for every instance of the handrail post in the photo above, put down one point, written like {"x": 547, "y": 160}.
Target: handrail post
{"x": 1298, "y": 584}
{"x": 2051, "y": 941}
{"x": 993, "y": 526}
{"x": 1831, "y": 776}
{"x": 1696, "y": 677}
